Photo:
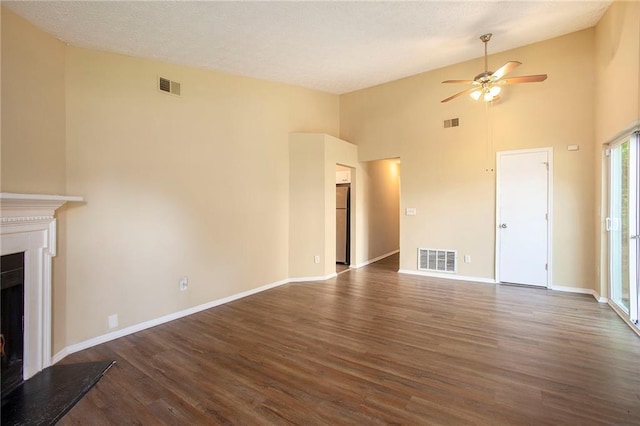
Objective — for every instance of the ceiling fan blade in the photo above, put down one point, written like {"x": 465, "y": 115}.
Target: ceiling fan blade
{"x": 524, "y": 79}
{"x": 461, "y": 81}
{"x": 505, "y": 69}
{"x": 459, "y": 94}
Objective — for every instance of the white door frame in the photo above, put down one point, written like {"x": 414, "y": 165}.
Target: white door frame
{"x": 499, "y": 155}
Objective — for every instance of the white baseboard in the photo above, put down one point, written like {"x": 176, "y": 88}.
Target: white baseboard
{"x": 59, "y": 356}
{"x": 624, "y": 316}
{"x": 307, "y": 279}
{"x": 176, "y": 315}
{"x": 492, "y": 281}
{"x": 581, "y": 291}
{"x": 375, "y": 259}
{"x": 157, "y": 321}
{"x": 447, "y": 276}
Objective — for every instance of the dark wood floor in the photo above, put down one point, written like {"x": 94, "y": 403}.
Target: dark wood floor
{"x": 375, "y": 347}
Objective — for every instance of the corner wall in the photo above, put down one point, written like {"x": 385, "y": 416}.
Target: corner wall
{"x": 617, "y": 45}
{"x": 448, "y": 174}
{"x": 33, "y": 150}
{"x": 33, "y": 109}
{"x": 313, "y": 202}
{"x": 195, "y": 185}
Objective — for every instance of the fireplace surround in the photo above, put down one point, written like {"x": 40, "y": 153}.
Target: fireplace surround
{"x": 28, "y": 225}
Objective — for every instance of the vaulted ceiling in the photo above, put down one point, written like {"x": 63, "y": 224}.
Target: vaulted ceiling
{"x": 333, "y": 46}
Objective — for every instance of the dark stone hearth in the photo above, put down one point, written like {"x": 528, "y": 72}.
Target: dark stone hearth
{"x": 49, "y": 395}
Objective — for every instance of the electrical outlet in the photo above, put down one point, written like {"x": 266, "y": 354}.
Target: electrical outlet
{"x": 113, "y": 321}
{"x": 184, "y": 283}
{"x": 316, "y": 259}
{"x": 467, "y": 258}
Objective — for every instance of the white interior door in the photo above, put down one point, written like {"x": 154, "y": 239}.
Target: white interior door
{"x": 522, "y": 219}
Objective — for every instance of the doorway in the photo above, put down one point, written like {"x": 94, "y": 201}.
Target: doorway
{"x": 343, "y": 218}
{"x": 622, "y": 224}
{"x": 523, "y": 235}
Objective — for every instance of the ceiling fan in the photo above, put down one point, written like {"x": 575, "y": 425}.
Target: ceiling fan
{"x": 486, "y": 85}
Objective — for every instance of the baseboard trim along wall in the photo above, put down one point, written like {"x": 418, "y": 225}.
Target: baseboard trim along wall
{"x": 157, "y": 321}
{"x": 581, "y": 291}
{"x": 307, "y": 279}
{"x": 375, "y": 259}
{"x": 492, "y": 281}
{"x": 186, "y": 312}
{"x": 624, "y": 316}
{"x": 447, "y": 276}
{"x": 176, "y": 315}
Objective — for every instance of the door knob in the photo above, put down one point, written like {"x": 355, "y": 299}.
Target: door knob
{"x": 504, "y": 225}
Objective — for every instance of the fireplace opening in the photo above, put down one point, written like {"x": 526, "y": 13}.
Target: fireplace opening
{"x": 12, "y": 317}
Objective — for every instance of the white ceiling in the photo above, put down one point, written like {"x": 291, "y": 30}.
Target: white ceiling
{"x": 333, "y": 46}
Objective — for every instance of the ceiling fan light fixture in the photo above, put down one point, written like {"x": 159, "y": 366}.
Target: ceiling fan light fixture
{"x": 475, "y": 95}
{"x": 488, "y": 82}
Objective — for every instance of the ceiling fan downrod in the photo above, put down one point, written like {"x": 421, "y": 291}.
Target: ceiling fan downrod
{"x": 485, "y": 39}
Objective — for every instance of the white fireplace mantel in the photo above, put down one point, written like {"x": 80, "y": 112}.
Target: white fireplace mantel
{"x": 25, "y": 207}
{"x": 28, "y": 225}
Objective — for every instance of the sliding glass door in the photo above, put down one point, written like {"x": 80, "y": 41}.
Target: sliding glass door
{"x": 623, "y": 225}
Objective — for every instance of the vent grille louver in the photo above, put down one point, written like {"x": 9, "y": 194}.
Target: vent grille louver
{"x": 452, "y": 122}
{"x": 437, "y": 260}
{"x": 168, "y": 86}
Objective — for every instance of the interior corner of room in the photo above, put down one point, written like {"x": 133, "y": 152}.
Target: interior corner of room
{"x": 186, "y": 206}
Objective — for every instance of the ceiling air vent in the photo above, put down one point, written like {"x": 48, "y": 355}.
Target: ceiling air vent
{"x": 453, "y": 122}
{"x": 168, "y": 86}
{"x": 436, "y": 260}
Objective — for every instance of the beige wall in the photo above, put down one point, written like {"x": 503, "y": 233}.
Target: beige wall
{"x": 196, "y": 185}
{"x": 447, "y": 174}
{"x": 307, "y": 205}
{"x": 33, "y": 99}
{"x": 313, "y": 202}
{"x": 33, "y": 132}
{"x": 199, "y": 185}
{"x": 617, "y": 44}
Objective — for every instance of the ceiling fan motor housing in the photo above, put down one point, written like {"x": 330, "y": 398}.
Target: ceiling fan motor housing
{"x": 483, "y": 77}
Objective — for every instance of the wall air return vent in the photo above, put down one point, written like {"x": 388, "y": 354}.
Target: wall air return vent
{"x": 168, "y": 86}
{"x": 452, "y": 122}
{"x": 436, "y": 260}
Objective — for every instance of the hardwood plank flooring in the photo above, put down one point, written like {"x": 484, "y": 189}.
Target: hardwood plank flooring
{"x": 375, "y": 347}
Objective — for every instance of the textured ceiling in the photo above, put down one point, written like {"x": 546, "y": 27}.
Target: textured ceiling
{"x": 331, "y": 46}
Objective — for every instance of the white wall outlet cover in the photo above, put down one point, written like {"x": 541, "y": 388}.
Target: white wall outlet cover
{"x": 467, "y": 258}
{"x": 184, "y": 283}
{"x": 113, "y": 321}
{"x": 411, "y": 211}
{"x": 573, "y": 147}
{"x": 316, "y": 259}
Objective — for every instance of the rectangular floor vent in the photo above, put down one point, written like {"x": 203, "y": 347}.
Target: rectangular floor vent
{"x": 436, "y": 260}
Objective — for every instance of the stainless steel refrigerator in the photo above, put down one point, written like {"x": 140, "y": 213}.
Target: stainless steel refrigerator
{"x": 343, "y": 199}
